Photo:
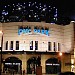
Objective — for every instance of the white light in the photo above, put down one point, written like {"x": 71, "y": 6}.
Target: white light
{"x": 40, "y": 6}
{"x": 73, "y": 21}
{"x": 49, "y": 10}
{"x": 55, "y": 15}
{"x": 53, "y": 7}
{"x": 29, "y": 2}
{"x": 24, "y": 7}
{"x": 20, "y": 5}
{"x": 36, "y": 6}
{"x": 52, "y": 23}
{"x": 60, "y": 54}
{"x": 54, "y": 18}
{"x": 5, "y": 13}
{"x": 29, "y": 5}
{"x": 72, "y": 61}
{"x": 3, "y": 10}
{"x": 31, "y": 10}
{"x": 44, "y": 5}
{"x": 5, "y": 6}
{"x": 35, "y": 2}
{"x": 17, "y": 17}
{"x": 29, "y": 15}
{"x": 49, "y": 6}
{"x": 35, "y": 16}
{"x": 13, "y": 4}
{"x": 24, "y": 3}
{"x": 43, "y": 9}
{"x": 16, "y": 5}
{"x": 8, "y": 5}
{"x": 19, "y": 8}
{"x": 1, "y": 32}
{"x": 13, "y": 9}
{"x": 39, "y": 3}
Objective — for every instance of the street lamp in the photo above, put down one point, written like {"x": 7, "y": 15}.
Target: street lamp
{"x": 60, "y": 55}
{"x": 1, "y": 50}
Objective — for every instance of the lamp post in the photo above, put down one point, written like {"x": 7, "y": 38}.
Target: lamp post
{"x": 1, "y": 50}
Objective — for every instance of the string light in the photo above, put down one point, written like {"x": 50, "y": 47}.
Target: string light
{"x": 35, "y": 10}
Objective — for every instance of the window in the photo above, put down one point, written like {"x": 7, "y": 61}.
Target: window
{"x": 31, "y": 45}
{"x": 6, "y": 47}
{"x": 49, "y": 46}
{"x": 36, "y": 45}
{"x": 54, "y": 47}
{"x": 11, "y": 45}
{"x": 58, "y": 46}
{"x": 17, "y": 45}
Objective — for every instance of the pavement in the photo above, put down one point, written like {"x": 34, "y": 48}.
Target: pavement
{"x": 25, "y": 74}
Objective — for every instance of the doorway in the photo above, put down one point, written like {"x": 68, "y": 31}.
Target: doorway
{"x": 12, "y": 65}
{"x": 31, "y": 65}
{"x": 53, "y": 66}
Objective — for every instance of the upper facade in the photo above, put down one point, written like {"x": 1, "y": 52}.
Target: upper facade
{"x": 37, "y": 36}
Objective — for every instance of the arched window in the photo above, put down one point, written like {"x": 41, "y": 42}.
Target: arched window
{"x": 53, "y": 66}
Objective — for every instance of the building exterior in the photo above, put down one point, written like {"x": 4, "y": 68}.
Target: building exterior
{"x": 27, "y": 45}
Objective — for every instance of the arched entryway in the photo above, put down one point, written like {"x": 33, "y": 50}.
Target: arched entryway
{"x": 53, "y": 66}
{"x": 12, "y": 64}
{"x": 31, "y": 65}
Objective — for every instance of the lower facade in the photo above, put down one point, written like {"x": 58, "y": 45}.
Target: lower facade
{"x": 27, "y": 62}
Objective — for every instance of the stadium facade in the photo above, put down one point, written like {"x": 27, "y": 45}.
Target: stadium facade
{"x": 29, "y": 44}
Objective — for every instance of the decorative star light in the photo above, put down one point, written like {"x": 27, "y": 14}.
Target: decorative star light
{"x": 33, "y": 11}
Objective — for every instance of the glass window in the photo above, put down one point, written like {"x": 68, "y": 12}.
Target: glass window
{"x": 31, "y": 45}
{"x": 54, "y": 47}
{"x": 36, "y": 45}
{"x": 17, "y": 45}
{"x": 58, "y": 46}
{"x": 49, "y": 46}
{"x": 11, "y": 45}
{"x": 6, "y": 47}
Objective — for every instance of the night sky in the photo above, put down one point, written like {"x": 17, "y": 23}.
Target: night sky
{"x": 50, "y": 11}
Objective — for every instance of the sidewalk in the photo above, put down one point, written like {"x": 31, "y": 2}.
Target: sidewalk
{"x": 26, "y": 74}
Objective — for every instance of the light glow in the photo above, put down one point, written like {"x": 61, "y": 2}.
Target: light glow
{"x": 60, "y": 54}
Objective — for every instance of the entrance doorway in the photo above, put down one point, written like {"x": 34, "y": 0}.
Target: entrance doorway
{"x": 31, "y": 65}
{"x": 12, "y": 65}
{"x": 53, "y": 66}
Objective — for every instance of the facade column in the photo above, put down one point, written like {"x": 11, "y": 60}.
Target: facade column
{"x": 74, "y": 46}
{"x": 43, "y": 63}
{"x": 74, "y": 60}
{"x": 57, "y": 47}
{"x": 8, "y": 45}
{"x": 52, "y": 48}
{"x": 2, "y": 67}
{"x": 24, "y": 63}
{"x": 14, "y": 45}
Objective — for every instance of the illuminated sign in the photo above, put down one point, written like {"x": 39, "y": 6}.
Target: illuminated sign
{"x": 35, "y": 30}
{"x": 23, "y": 31}
{"x": 53, "y": 64}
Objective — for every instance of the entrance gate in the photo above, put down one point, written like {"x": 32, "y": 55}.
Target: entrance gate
{"x": 53, "y": 66}
{"x": 12, "y": 64}
{"x": 31, "y": 65}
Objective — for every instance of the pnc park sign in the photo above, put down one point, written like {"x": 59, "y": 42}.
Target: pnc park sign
{"x": 27, "y": 30}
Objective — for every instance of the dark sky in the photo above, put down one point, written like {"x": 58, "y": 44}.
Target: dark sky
{"x": 66, "y": 8}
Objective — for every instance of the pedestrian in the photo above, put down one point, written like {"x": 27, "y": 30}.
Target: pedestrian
{"x": 23, "y": 72}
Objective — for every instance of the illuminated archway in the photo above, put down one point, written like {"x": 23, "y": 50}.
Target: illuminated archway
{"x": 31, "y": 65}
{"x": 53, "y": 66}
{"x": 12, "y": 64}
